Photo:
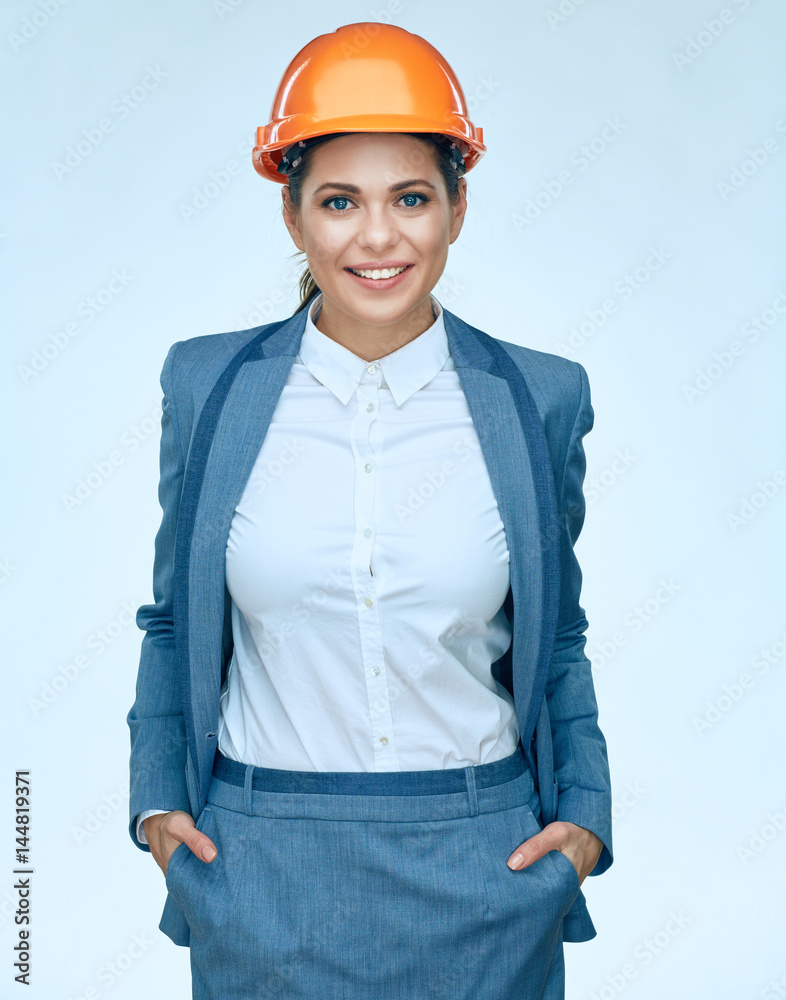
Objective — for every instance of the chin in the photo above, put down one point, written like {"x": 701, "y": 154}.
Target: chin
{"x": 381, "y": 315}
{"x": 377, "y": 309}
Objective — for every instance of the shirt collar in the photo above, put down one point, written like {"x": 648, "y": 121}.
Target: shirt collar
{"x": 404, "y": 371}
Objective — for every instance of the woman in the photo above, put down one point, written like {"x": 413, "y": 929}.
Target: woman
{"x": 364, "y": 671}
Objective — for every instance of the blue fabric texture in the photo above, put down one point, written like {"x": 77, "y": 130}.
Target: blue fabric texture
{"x": 399, "y": 890}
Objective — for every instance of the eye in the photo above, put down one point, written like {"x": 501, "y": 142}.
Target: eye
{"x": 414, "y": 204}
{"x": 339, "y": 198}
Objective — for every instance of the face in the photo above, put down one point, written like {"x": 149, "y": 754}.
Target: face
{"x": 375, "y": 202}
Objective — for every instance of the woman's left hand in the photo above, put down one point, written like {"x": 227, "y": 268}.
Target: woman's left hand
{"x": 581, "y": 846}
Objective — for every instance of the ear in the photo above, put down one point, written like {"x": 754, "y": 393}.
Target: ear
{"x": 290, "y": 218}
{"x": 459, "y": 210}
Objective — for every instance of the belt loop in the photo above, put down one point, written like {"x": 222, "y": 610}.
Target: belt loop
{"x": 247, "y": 789}
{"x": 472, "y": 793}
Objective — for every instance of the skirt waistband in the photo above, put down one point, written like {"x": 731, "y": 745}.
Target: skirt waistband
{"x": 438, "y": 781}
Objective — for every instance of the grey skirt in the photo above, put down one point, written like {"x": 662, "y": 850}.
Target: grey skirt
{"x": 373, "y": 886}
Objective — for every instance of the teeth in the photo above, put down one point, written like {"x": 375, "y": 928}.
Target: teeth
{"x": 387, "y": 272}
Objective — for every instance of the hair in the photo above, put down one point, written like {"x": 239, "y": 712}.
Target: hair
{"x": 307, "y": 286}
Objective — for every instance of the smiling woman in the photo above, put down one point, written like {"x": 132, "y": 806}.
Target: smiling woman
{"x": 364, "y": 747}
{"x": 356, "y": 209}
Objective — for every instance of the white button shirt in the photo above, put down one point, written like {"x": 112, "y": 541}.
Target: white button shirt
{"x": 367, "y": 566}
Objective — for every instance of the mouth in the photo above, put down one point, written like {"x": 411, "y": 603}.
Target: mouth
{"x": 379, "y": 278}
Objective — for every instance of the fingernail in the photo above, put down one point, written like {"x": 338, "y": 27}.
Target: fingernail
{"x": 515, "y": 861}
{"x": 208, "y": 853}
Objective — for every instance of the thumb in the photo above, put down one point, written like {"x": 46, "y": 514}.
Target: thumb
{"x": 201, "y": 845}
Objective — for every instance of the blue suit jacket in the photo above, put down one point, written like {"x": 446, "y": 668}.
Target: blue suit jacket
{"x": 530, "y": 409}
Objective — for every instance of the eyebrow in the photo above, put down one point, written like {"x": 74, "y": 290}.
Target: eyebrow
{"x": 354, "y": 189}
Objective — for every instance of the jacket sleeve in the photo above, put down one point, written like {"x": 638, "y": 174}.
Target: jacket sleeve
{"x": 581, "y": 764}
{"x": 158, "y": 740}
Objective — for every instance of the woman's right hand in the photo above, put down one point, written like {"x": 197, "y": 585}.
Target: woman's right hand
{"x": 165, "y": 831}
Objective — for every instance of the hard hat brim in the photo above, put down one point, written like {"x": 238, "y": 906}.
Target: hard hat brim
{"x": 272, "y": 139}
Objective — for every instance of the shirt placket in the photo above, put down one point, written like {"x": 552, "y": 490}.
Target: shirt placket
{"x": 366, "y": 475}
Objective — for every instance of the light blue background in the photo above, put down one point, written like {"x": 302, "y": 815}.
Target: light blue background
{"x": 542, "y": 78}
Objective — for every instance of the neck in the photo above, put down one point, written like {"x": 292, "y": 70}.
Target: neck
{"x": 371, "y": 342}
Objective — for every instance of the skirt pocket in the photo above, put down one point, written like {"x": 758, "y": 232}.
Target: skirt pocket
{"x": 524, "y": 907}
{"x": 535, "y": 897}
{"x": 180, "y": 852}
{"x": 564, "y": 862}
{"x": 187, "y": 875}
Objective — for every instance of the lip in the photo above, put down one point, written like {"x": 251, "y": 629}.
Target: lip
{"x": 379, "y": 265}
{"x": 381, "y": 284}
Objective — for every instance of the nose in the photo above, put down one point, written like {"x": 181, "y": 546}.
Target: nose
{"x": 378, "y": 230}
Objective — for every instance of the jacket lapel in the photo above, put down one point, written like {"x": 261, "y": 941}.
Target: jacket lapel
{"x": 514, "y": 447}
{"x": 229, "y": 435}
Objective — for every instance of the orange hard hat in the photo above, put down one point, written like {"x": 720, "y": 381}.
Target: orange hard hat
{"x": 365, "y": 77}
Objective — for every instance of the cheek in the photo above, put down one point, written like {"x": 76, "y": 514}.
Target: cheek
{"x": 435, "y": 250}
{"x": 323, "y": 242}
{"x": 321, "y": 249}
{"x": 432, "y": 238}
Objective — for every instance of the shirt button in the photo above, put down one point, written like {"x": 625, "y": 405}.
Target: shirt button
{"x": 370, "y": 407}
{"x": 367, "y": 532}
{"x": 372, "y": 368}
{"x": 375, "y": 671}
{"x": 369, "y": 602}
{"x": 368, "y": 466}
{"x": 383, "y": 740}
